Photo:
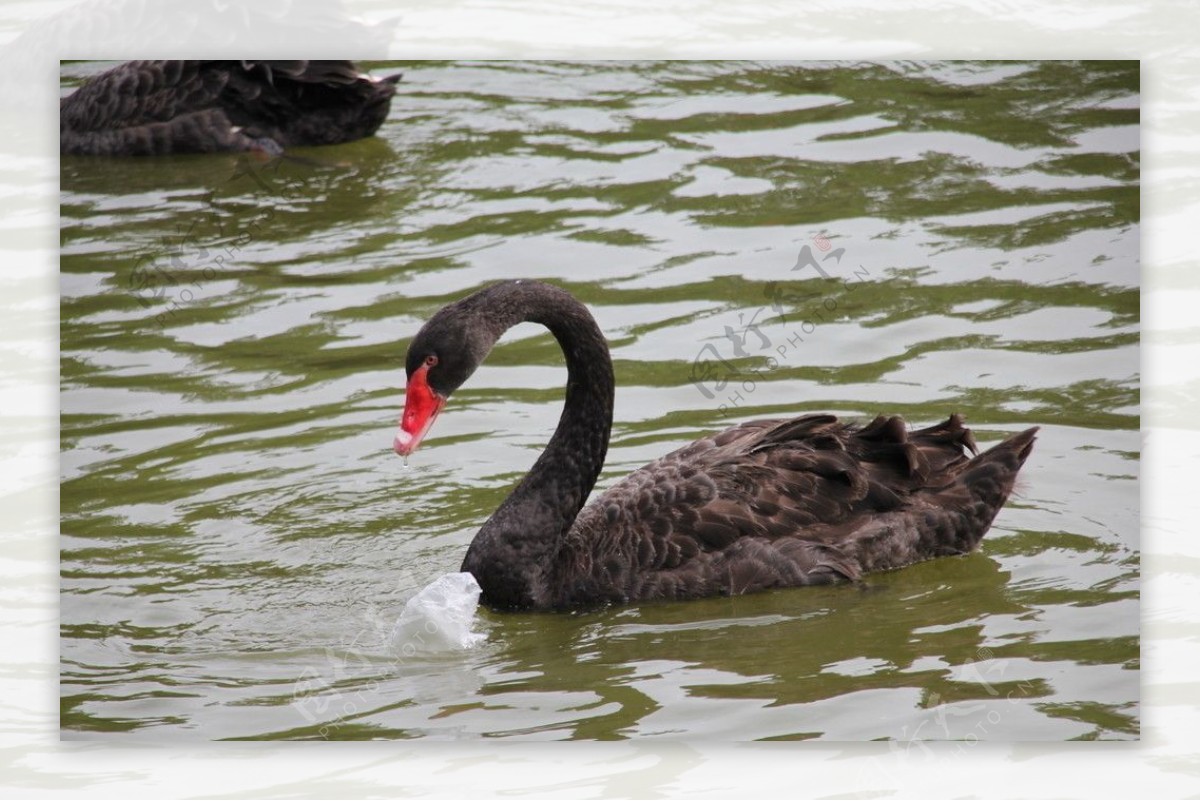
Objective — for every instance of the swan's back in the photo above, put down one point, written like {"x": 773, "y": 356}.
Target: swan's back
{"x": 779, "y": 503}
{"x": 161, "y": 107}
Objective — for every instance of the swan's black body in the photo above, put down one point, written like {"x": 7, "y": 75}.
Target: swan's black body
{"x": 768, "y": 503}
{"x": 154, "y": 108}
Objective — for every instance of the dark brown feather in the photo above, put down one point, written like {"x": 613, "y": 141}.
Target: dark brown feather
{"x": 778, "y": 503}
{"x": 145, "y": 108}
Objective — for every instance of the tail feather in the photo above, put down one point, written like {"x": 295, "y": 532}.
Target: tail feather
{"x": 987, "y": 480}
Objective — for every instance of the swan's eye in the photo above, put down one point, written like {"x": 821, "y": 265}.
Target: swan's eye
{"x": 431, "y": 360}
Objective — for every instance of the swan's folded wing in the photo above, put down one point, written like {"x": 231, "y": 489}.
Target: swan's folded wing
{"x": 140, "y": 93}
{"x": 717, "y": 518}
{"x": 765, "y": 504}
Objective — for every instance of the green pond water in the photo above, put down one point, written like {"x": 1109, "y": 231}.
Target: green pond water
{"x": 238, "y": 536}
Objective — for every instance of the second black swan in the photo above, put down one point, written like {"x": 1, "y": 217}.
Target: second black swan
{"x": 156, "y": 108}
{"x": 762, "y": 505}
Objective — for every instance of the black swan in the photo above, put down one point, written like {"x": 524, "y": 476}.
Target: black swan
{"x": 154, "y": 108}
{"x": 765, "y": 504}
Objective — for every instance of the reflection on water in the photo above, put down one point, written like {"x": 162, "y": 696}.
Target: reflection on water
{"x": 755, "y": 239}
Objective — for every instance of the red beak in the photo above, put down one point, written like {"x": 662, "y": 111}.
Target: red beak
{"x": 421, "y": 407}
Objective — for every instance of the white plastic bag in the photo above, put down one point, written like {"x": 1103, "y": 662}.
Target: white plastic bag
{"x": 439, "y": 617}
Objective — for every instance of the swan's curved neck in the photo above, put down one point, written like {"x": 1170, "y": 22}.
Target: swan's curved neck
{"x": 512, "y": 552}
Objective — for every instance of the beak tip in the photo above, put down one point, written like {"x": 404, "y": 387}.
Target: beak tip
{"x": 404, "y": 444}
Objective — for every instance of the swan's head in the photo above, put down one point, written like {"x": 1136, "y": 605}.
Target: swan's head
{"x": 421, "y": 405}
{"x": 440, "y": 358}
